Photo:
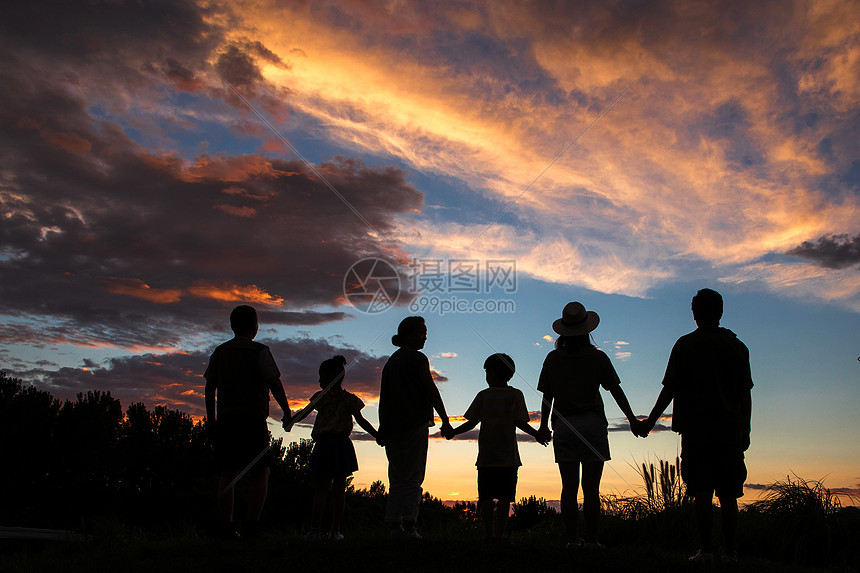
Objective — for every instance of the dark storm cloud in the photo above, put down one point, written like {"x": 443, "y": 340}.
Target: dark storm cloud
{"x": 105, "y": 243}
{"x": 238, "y": 68}
{"x": 176, "y": 379}
{"x": 831, "y": 251}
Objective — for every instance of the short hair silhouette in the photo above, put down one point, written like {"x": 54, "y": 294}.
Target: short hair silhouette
{"x": 243, "y": 319}
{"x": 406, "y": 327}
{"x": 332, "y": 370}
{"x": 502, "y": 364}
{"x": 707, "y": 306}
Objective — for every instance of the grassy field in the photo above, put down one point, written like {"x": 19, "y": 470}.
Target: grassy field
{"x": 451, "y": 548}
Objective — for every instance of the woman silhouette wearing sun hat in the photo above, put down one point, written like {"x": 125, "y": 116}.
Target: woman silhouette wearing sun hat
{"x": 570, "y": 380}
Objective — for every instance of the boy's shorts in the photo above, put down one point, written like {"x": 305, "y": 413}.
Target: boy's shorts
{"x": 497, "y": 483}
{"x": 238, "y": 440}
{"x": 581, "y": 438}
{"x": 707, "y": 467}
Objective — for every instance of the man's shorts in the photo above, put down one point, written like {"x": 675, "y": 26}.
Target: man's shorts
{"x": 238, "y": 440}
{"x": 707, "y": 467}
{"x": 581, "y": 438}
{"x": 497, "y": 483}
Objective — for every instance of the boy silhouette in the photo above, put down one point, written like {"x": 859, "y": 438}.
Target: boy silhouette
{"x": 499, "y": 409}
{"x": 708, "y": 377}
{"x": 239, "y": 377}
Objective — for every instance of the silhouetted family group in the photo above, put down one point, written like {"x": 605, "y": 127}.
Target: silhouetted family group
{"x": 708, "y": 377}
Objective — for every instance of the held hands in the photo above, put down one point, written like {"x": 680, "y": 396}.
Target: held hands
{"x": 447, "y": 430}
{"x": 544, "y": 435}
{"x": 287, "y": 423}
{"x": 641, "y": 428}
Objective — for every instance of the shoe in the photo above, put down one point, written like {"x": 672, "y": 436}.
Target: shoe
{"x": 227, "y": 531}
{"x": 596, "y": 546}
{"x": 578, "y": 544}
{"x": 312, "y": 535}
{"x": 729, "y": 557}
{"x": 412, "y": 534}
{"x": 335, "y": 536}
{"x": 398, "y": 534}
{"x": 702, "y": 557}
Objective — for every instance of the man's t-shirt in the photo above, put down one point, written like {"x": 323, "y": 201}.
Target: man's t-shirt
{"x": 334, "y": 412}
{"x": 240, "y": 369}
{"x": 574, "y": 378}
{"x": 404, "y": 402}
{"x": 709, "y": 374}
{"x": 498, "y": 409}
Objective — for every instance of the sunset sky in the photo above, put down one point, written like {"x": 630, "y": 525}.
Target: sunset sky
{"x": 162, "y": 162}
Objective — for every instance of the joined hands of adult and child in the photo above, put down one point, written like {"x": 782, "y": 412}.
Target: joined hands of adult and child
{"x": 641, "y": 428}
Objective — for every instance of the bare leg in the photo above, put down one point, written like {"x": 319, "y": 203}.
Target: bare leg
{"x": 486, "y": 509}
{"x": 225, "y": 500}
{"x": 591, "y": 474}
{"x": 569, "y": 489}
{"x": 729, "y": 517}
{"x": 257, "y": 491}
{"x": 502, "y": 511}
{"x": 321, "y": 486}
{"x": 338, "y": 502}
{"x": 704, "y": 504}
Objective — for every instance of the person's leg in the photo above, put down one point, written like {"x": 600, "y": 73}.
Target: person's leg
{"x": 729, "y": 519}
{"x": 394, "y": 451}
{"x": 503, "y": 509}
{"x": 704, "y": 507}
{"x": 321, "y": 487}
{"x": 225, "y": 499}
{"x": 485, "y": 507}
{"x": 416, "y": 458}
{"x": 338, "y": 502}
{"x": 257, "y": 491}
{"x": 591, "y": 474}
{"x": 569, "y": 507}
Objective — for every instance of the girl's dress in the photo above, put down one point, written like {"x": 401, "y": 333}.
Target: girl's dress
{"x": 333, "y": 454}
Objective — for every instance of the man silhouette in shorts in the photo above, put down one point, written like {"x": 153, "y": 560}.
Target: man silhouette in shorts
{"x": 240, "y": 375}
{"x": 708, "y": 377}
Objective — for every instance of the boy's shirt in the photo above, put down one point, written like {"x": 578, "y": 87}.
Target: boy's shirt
{"x": 239, "y": 369}
{"x": 497, "y": 409}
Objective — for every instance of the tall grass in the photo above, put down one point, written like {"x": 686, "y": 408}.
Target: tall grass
{"x": 803, "y": 521}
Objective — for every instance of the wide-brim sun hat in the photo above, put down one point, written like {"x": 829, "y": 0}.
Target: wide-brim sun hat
{"x": 575, "y": 320}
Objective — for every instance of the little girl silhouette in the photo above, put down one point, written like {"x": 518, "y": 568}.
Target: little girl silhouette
{"x": 333, "y": 457}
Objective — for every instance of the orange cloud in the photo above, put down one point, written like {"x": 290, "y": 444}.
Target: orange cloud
{"x": 139, "y": 289}
{"x": 244, "y": 212}
{"x": 234, "y": 293}
{"x": 71, "y": 142}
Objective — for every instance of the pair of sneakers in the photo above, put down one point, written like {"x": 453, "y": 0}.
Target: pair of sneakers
{"x": 314, "y": 535}
{"x": 405, "y": 534}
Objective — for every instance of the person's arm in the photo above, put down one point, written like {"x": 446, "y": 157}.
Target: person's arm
{"x": 462, "y": 428}
{"x": 274, "y": 384}
{"x": 536, "y": 434}
{"x": 545, "y": 409}
{"x": 210, "y": 407}
{"x": 621, "y": 399}
{"x": 747, "y": 417}
{"x": 663, "y": 401}
{"x": 366, "y": 426}
{"x": 436, "y": 401}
